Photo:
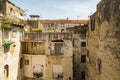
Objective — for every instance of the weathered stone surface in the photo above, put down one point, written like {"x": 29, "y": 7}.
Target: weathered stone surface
{"x": 105, "y": 44}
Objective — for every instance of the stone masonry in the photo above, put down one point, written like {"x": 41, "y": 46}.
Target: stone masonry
{"x": 104, "y": 42}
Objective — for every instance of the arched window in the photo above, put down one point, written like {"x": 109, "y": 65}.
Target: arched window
{"x": 6, "y": 71}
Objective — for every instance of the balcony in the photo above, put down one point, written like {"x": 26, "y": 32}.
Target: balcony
{"x": 38, "y": 36}
{"x": 16, "y": 20}
{"x": 33, "y": 53}
{"x": 56, "y": 53}
{"x": 83, "y": 36}
{"x": 33, "y": 37}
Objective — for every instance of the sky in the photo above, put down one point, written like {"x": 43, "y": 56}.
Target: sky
{"x": 58, "y": 9}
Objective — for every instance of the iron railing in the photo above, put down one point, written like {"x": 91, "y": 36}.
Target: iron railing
{"x": 39, "y": 36}
{"x": 56, "y": 53}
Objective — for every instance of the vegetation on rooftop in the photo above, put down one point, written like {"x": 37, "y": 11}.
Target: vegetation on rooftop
{"x": 37, "y": 29}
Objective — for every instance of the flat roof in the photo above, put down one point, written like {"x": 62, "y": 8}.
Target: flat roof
{"x": 64, "y": 21}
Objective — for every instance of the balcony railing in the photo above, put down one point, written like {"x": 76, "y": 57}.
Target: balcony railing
{"x": 33, "y": 53}
{"x": 38, "y": 36}
{"x": 56, "y": 53}
{"x": 83, "y": 36}
{"x": 15, "y": 20}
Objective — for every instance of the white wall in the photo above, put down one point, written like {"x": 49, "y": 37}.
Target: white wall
{"x": 34, "y": 61}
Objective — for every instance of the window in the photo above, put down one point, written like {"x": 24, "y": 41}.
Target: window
{"x": 37, "y": 47}
{"x": 6, "y": 71}
{"x": 52, "y": 25}
{"x": 11, "y": 9}
{"x": 21, "y": 63}
{"x": 26, "y": 62}
{"x": 99, "y": 65}
{"x": 14, "y": 33}
{"x": 21, "y": 14}
{"x": 83, "y": 44}
{"x": 6, "y": 34}
{"x": 25, "y": 47}
{"x": 92, "y": 24}
{"x": 83, "y": 58}
{"x": 73, "y": 43}
{"x": 82, "y": 75}
{"x": 58, "y": 47}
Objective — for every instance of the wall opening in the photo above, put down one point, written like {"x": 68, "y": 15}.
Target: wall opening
{"x": 92, "y": 24}
{"x": 83, "y": 58}
{"x": 57, "y": 41}
{"x": 83, "y": 44}
{"x": 6, "y": 71}
{"x": 21, "y": 63}
{"x": 82, "y": 75}
{"x": 99, "y": 65}
{"x": 26, "y": 62}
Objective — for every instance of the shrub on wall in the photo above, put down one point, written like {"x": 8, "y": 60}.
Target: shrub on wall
{"x": 5, "y": 23}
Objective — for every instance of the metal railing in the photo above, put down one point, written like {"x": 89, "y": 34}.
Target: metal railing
{"x": 56, "y": 53}
{"x": 39, "y": 36}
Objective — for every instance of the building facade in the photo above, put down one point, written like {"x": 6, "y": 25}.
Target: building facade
{"x": 11, "y": 28}
{"x": 79, "y": 51}
{"x": 103, "y": 42}
{"x": 46, "y": 56}
{"x": 55, "y": 25}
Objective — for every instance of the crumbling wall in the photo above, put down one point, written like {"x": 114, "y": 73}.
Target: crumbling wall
{"x": 104, "y": 42}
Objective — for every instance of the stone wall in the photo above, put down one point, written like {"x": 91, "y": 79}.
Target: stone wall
{"x": 104, "y": 42}
{"x": 1, "y": 57}
{"x": 11, "y": 55}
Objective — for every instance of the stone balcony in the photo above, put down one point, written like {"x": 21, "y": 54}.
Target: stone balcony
{"x": 16, "y": 20}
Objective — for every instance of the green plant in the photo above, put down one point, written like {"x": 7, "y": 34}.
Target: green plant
{"x": 37, "y": 29}
{"x": 5, "y": 23}
{"x": 54, "y": 29}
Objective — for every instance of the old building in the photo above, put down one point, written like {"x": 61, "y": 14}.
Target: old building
{"x": 11, "y": 28}
{"x": 78, "y": 29}
{"x": 60, "y": 49}
{"x": 46, "y": 56}
{"x": 104, "y": 42}
{"x": 79, "y": 51}
{"x": 9, "y": 9}
{"x": 55, "y": 25}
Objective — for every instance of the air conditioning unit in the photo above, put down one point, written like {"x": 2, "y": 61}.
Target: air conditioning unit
{"x": 58, "y": 75}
